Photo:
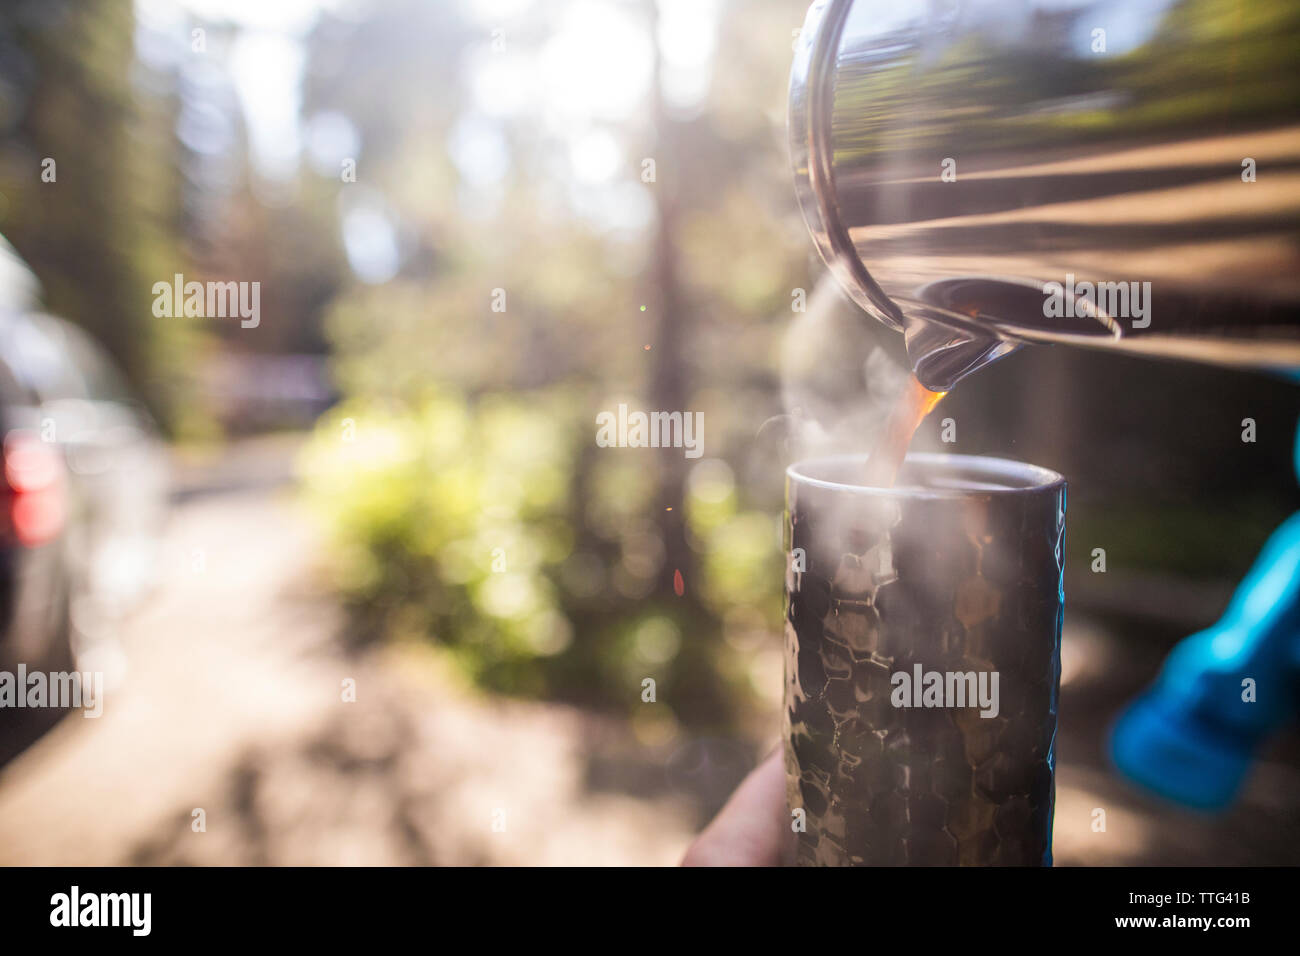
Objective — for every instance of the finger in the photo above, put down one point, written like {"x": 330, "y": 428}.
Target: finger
{"x": 751, "y": 829}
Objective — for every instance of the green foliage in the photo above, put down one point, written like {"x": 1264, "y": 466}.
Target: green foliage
{"x": 475, "y": 426}
{"x": 455, "y": 522}
{"x": 424, "y": 503}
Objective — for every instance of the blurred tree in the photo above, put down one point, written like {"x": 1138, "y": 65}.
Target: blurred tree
{"x": 665, "y": 291}
{"x": 103, "y": 224}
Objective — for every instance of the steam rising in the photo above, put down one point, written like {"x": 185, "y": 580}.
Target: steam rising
{"x": 841, "y": 375}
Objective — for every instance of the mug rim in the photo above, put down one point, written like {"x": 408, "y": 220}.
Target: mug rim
{"x": 1032, "y": 479}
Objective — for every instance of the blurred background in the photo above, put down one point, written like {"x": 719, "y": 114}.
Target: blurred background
{"x": 362, "y": 584}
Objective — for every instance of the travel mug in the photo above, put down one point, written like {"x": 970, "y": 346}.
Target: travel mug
{"x": 922, "y": 667}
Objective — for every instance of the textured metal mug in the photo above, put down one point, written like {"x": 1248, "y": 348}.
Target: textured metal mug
{"x": 956, "y": 570}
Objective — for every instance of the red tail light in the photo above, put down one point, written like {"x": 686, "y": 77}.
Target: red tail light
{"x": 35, "y": 479}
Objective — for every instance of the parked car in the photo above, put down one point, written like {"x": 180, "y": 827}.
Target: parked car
{"x": 83, "y": 496}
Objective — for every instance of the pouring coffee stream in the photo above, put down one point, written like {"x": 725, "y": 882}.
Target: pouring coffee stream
{"x": 913, "y": 404}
